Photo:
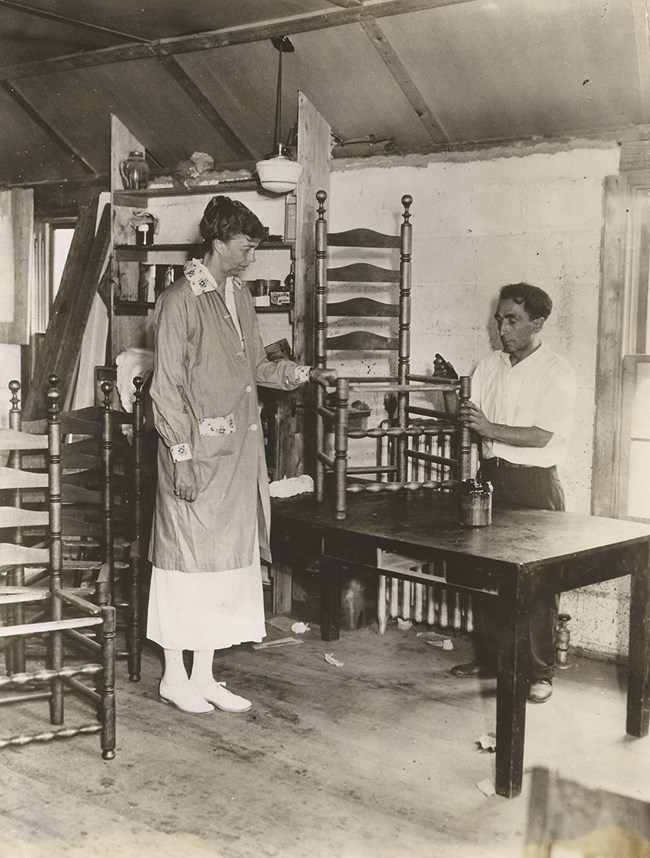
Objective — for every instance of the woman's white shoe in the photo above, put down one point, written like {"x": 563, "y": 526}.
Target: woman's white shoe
{"x": 184, "y": 696}
{"x": 217, "y": 693}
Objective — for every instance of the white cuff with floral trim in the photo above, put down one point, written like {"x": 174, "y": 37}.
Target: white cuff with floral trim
{"x": 302, "y": 374}
{"x": 180, "y": 452}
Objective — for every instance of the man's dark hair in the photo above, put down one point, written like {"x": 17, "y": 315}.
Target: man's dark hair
{"x": 534, "y": 300}
{"x": 224, "y": 218}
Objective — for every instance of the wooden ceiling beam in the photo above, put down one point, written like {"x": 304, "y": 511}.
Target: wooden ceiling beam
{"x": 19, "y": 99}
{"x": 394, "y": 65}
{"x": 370, "y": 9}
{"x": 206, "y": 107}
{"x": 65, "y": 19}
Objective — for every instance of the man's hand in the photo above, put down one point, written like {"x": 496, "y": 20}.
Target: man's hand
{"x": 186, "y": 485}
{"x": 472, "y": 416}
{"x": 516, "y": 436}
{"x": 326, "y": 377}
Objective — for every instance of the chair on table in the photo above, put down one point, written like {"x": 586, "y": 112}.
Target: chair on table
{"x": 420, "y": 444}
{"x": 406, "y": 449}
{"x": 102, "y": 504}
{"x": 28, "y": 609}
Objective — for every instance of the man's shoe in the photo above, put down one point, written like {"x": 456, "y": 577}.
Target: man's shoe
{"x": 540, "y": 691}
{"x": 472, "y": 669}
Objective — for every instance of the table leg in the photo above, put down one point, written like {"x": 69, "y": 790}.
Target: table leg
{"x": 330, "y": 599}
{"x": 512, "y": 690}
{"x": 638, "y": 688}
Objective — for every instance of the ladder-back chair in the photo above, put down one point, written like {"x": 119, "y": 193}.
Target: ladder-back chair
{"x": 102, "y": 504}
{"x": 55, "y": 611}
{"x": 406, "y": 456}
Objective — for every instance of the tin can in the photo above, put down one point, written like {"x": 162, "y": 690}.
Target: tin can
{"x": 475, "y": 503}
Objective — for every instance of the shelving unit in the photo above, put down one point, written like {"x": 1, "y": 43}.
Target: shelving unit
{"x": 178, "y": 211}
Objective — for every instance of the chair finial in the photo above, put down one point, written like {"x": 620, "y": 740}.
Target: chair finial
{"x": 407, "y": 202}
{"x": 106, "y": 388}
{"x": 321, "y": 196}
{"x": 14, "y": 387}
{"x": 53, "y": 396}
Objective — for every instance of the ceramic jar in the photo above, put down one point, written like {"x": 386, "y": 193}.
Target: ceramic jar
{"x": 134, "y": 171}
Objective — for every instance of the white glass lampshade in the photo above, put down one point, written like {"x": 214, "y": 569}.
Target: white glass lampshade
{"x": 279, "y": 174}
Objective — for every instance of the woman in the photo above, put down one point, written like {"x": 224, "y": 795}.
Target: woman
{"x": 212, "y": 503}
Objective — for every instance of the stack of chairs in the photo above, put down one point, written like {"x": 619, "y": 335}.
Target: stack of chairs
{"x": 35, "y": 602}
{"x": 102, "y": 478}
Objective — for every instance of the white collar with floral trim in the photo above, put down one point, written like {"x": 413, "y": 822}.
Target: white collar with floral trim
{"x": 201, "y": 280}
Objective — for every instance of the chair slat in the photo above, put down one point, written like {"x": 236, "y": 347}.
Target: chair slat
{"x": 362, "y": 272}
{"x": 363, "y": 307}
{"x": 18, "y": 555}
{"x": 12, "y": 516}
{"x": 12, "y": 439}
{"x": 22, "y": 595}
{"x": 361, "y": 341}
{"x": 13, "y": 478}
{"x": 362, "y": 237}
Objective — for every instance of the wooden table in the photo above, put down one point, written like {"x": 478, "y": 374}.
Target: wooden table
{"x": 521, "y": 554}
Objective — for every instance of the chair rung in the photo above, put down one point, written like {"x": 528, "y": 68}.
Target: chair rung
{"x": 45, "y": 628}
{"x": 430, "y": 457}
{"x": 326, "y": 460}
{"x": 50, "y": 735}
{"x": 83, "y": 640}
{"x": 76, "y": 601}
{"x": 24, "y": 697}
{"x": 46, "y": 675}
{"x": 373, "y": 469}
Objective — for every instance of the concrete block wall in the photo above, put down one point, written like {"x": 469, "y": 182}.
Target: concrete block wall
{"x": 483, "y": 220}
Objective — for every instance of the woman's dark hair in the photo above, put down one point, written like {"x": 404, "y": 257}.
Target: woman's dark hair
{"x": 224, "y": 218}
{"x": 535, "y": 301}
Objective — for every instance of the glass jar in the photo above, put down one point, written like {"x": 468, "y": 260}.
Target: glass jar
{"x": 134, "y": 171}
{"x": 475, "y": 503}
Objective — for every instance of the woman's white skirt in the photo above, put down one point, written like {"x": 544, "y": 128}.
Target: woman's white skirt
{"x": 206, "y": 610}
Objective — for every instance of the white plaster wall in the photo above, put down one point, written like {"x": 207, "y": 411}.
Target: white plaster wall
{"x": 478, "y": 223}
{"x": 9, "y": 370}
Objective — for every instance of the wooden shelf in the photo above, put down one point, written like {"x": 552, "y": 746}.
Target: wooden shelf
{"x": 136, "y": 198}
{"x": 142, "y": 308}
{"x": 176, "y": 254}
{"x": 275, "y": 308}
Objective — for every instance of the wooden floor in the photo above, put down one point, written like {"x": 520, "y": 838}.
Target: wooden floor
{"x": 376, "y": 758}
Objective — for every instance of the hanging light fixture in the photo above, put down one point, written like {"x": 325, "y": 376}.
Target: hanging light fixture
{"x": 277, "y": 172}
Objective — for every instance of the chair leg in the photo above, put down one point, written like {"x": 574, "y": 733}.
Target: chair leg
{"x": 108, "y": 683}
{"x": 56, "y": 685}
{"x": 15, "y": 657}
{"x": 133, "y": 632}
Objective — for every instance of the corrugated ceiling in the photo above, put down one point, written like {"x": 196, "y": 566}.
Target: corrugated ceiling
{"x": 201, "y": 76}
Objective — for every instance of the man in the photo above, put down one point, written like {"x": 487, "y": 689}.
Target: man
{"x": 522, "y": 407}
{"x": 211, "y": 518}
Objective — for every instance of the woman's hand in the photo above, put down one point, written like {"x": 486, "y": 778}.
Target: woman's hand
{"x": 324, "y": 376}
{"x": 186, "y": 485}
